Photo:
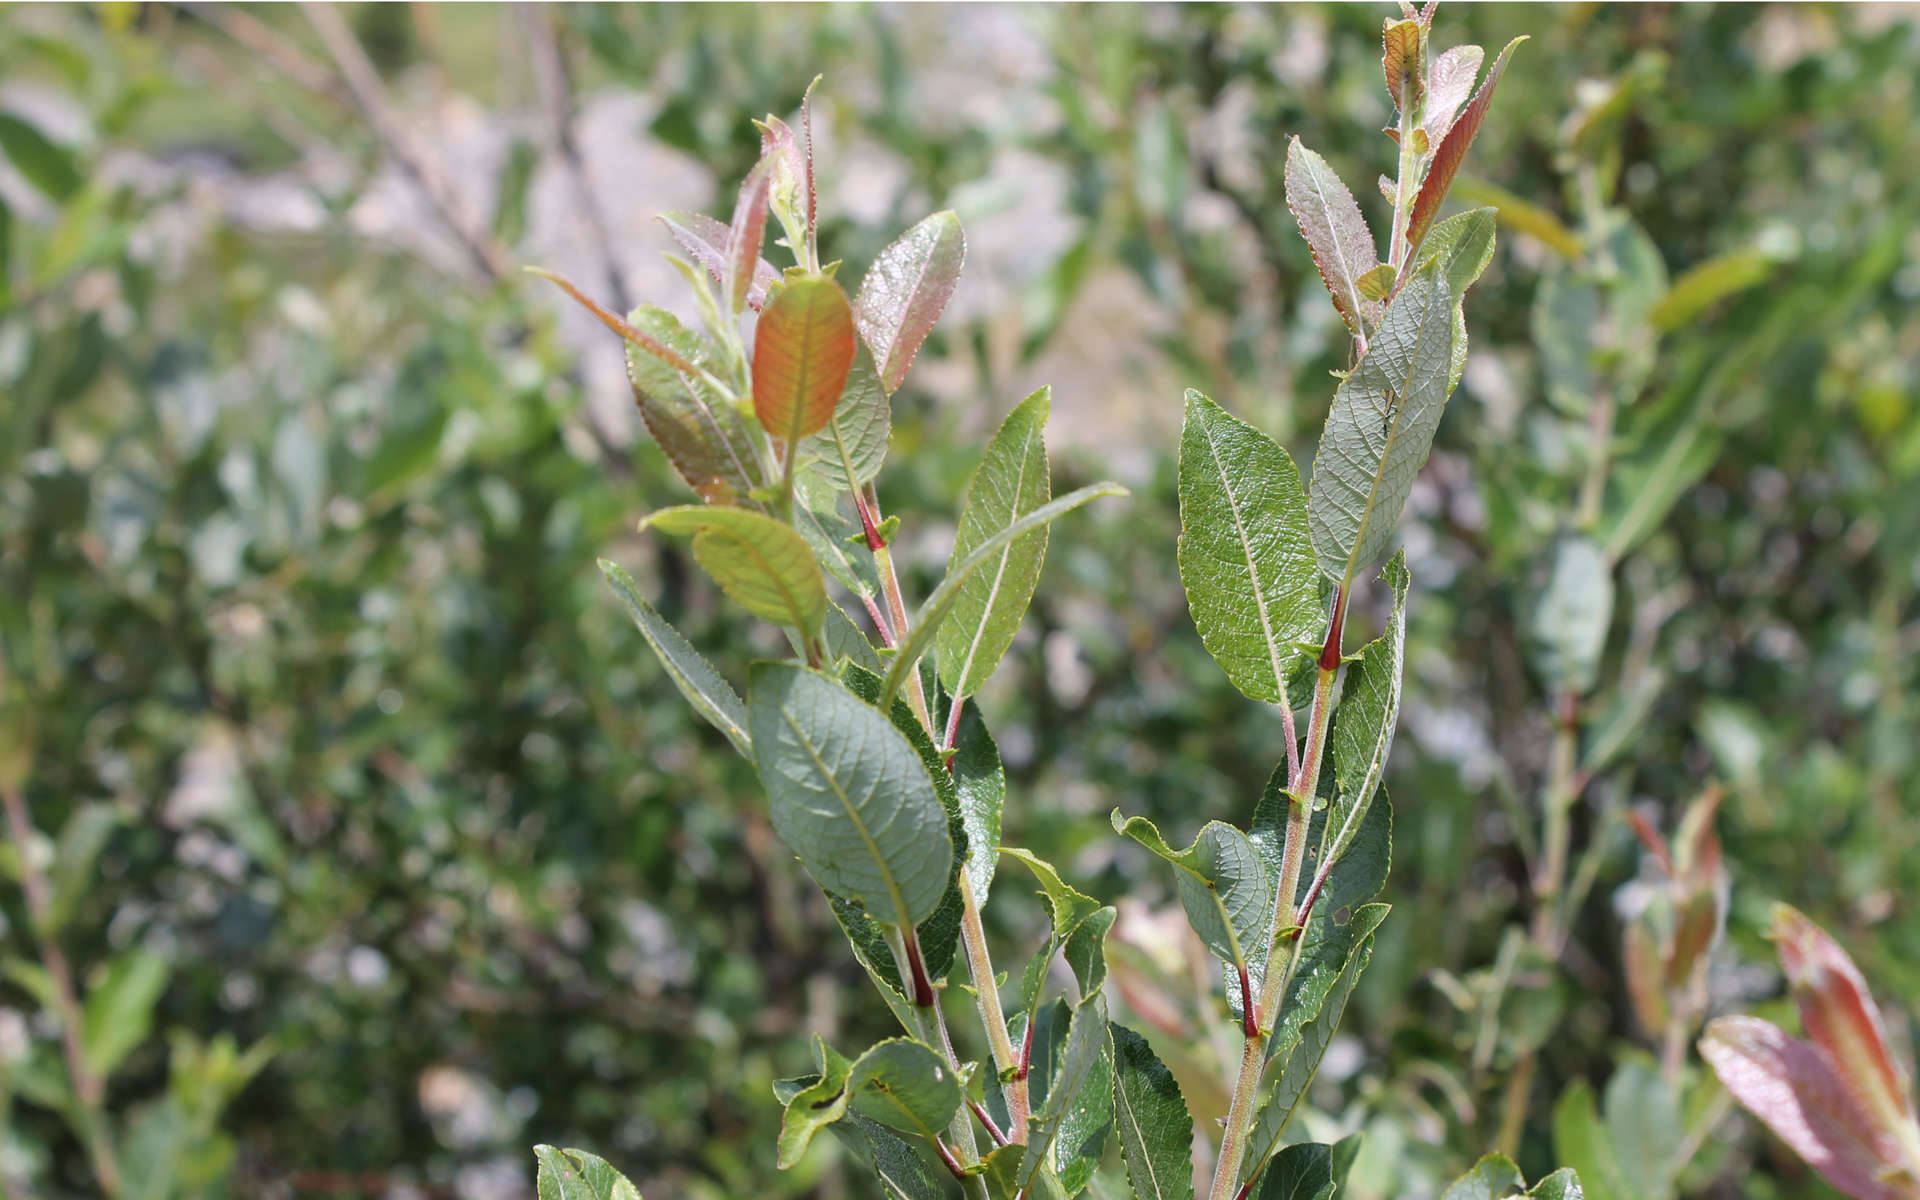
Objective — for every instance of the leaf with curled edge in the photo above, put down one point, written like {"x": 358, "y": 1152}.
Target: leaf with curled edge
{"x": 1222, "y": 883}
{"x": 1336, "y": 231}
{"x": 906, "y": 290}
{"x": 849, "y": 795}
{"x": 1380, "y": 428}
{"x": 1364, "y": 724}
{"x": 744, "y": 237}
{"x": 577, "y": 1175}
{"x": 1452, "y": 151}
{"x": 762, "y": 564}
{"x": 803, "y": 350}
{"x": 710, "y": 243}
{"x": 701, "y": 434}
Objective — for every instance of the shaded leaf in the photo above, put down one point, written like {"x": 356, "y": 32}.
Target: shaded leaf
{"x": 849, "y": 794}
{"x": 1069, "y": 1130}
{"x": 1343, "y": 247}
{"x": 1581, "y": 1140}
{"x": 1364, "y": 724}
{"x": 1309, "y": 1170}
{"x": 1012, "y": 481}
{"x": 1156, "y": 1132}
{"x": 44, "y": 163}
{"x": 1246, "y": 557}
{"x": 118, "y": 1011}
{"x": 711, "y": 696}
{"x": 75, "y": 855}
{"x": 762, "y": 564}
{"x": 1222, "y": 882}
{"x": 1452, "y": 151}
{"x": 700, "y": 431}
{"x": 847, "y": 641}
{"x": 1710, "y": 282}
{"x": 1492, "y": 1178}
{"x": 1380, "y": 428}
{"x": 1400, "y": 62}
{"x": 577, "y": 1175}
{"x": 904, "y": 1085}
{"x": 906, "y": 290}
{"x": 851, "y": 449}
{"x": 802, "y": 353}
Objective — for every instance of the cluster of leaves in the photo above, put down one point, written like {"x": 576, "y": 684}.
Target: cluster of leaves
{"x": 899, "y": 823}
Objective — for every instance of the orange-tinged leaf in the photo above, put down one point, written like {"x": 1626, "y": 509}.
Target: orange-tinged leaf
{"x": 1839, "y": 1014}
{"x": 802, "y": 351}
{"x": 1793, "y": 1087}
{"x": 1400, "y": 59}
{"x": 1452, "y": 151}
{"x": 708, "y": 242}
{"x": 905, "y": 292}
{"x": 614, "y": 322}
{"x": 743, "y": 239}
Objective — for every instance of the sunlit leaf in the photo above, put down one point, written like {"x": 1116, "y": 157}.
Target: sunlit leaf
{"x": 710, "y": 243}
{"x": 851, "y": 449}
{"x": 577, "y": 1175}
{"x": 700, "y": 432}
{"x": 1452, "y": 151}
{"x": 1363, "y": 725}
{"x": 1343, "y": 248}
{"x": 745, "y": 235}
{"x": 1150, "y": 1115}
{"x": 802, "y": 352}
{"x": 906, "y": 290}
{"x": 762, "y": 564}
{"x": 1223, "y": 884}
{"x": 1449, "y": 83}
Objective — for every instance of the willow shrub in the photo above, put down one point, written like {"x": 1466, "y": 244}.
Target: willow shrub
{"x": 886, "y": 784}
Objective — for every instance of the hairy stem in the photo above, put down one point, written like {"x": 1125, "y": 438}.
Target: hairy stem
{"x": 89, "y": 1089}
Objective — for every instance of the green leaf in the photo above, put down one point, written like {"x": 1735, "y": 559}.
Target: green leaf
{"x": 847, "y": 642}
{"x": 902, "y": 1172}
{"x": 1069, "y": 1131}
{"x": 802, "y": 353}
{"x": 1222, "y": 882}
{"x": 1337, "y": 235}
{"x": 76, "y": 852}
{"x": 815, "y": 1105}
{"x": 1563, "y": 1184}
{"x": 939, "y": 606}
{"x": 849, "y": 794}
{"x": 1653, "y": 487}
{"x": 1246, "y": 557}
{"x": 711, "y": 696}
{"x": 1377, "y": 284}
{"x": 1299, "y": 1045}
{"x": 698, "y": 429}
{"x": 833, "y": 537}
{"x": 1309, "y": 1170}
{"x": 762, "y": 564}
{"x": 1645, "y": 1125}
{"x": 45, "y": 164}
{"x": 980, "y": 786}
{"x": 118, "y": 1011}
{"x": 1011, "y": 482}
{"x": 1074, "y": 915}
{"x": 1363, "y": 726}
{"x": 903, "y": 1085}
{"x": 1156, "y": 1131}
{"x": 1452, "y": 151}
{"x": 577, "y": 1175}
{"x": 851, "y": 449}
{"x": 1381, "y": 427}
{"x": 1581, "y": 1140}
{"x": 906, "y": 290}
{"x": 1567, "y": 628}
{"x": 1492, "y": 1178}
{"x": 1710, "y": 282}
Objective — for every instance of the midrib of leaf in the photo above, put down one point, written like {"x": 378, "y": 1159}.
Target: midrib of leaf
{"x": 1404, "y": 390}
{"x": 806, "y": 377}
{"x": 1333, "y": 228}
{"x": 893, "y": 335}
{"x": 1006, "y": 554}
{"x": 1125, "y": 1105}
{"x": 858, "y": 586}
{"x": 794, "y": 607}
{"x": 1253, "y": 569}
{"x": 846, "y": 802}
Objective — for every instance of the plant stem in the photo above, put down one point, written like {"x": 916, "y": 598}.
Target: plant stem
{"x": 890, "y": 584}
{"x": 89, "y": 1089}
{"x": 1403, "y": 194}
{"x": 921, "y": 1001}
{"x": 1286, "y": 922}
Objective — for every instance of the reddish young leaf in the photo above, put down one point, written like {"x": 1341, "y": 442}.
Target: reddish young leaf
{"x": 806, "y": 133}
{"x": 743, "y": 239}
{"x": 1451, "y": 152}
{"x": 1839, "y": 1014}
{"x": 1400, "y": 59}
{"x": 1449, "y": 83}
{"x": 906, "y": 291}
{"x": 1336, "y": 233}
{"x": 614, "y": 322}
{"x": 707, "y": 242}
{"x": 1793, "y": 1087}
{"x": 802, "y": 351}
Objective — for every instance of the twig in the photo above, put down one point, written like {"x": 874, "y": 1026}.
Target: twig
{"x": 554, "y": 82}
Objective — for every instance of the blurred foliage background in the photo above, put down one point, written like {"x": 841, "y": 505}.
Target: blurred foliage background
{"x": 379, "y": 847}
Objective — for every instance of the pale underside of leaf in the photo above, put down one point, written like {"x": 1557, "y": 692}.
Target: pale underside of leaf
{"x": 906, "y": 290}
{"x": 711, "y": 696}
{"x": 1336, "y": 232}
